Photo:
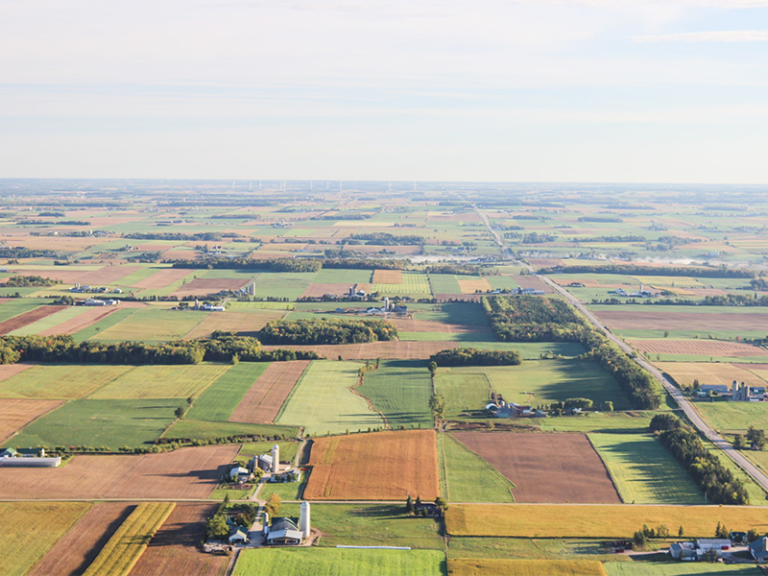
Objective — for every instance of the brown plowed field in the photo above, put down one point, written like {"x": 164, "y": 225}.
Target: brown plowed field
{"x": 385, "y": 350}
{"x": 410, "y": 325}
{"x": 8, "y": 370}
{"x": 245, "y": 323}
{"x": 374, "y": 466}
{"x": 173, "y": 549}
{"x": 81, "y": 321}
{"x": 79, "y": 547}
{"x": 685, "y": 373}
{"x": 545, "y": 467}
{"x": 17, "y": 413}
{"x": 28, "y": 317}
{"x": 653, "y": 320}
{"x": 184, "y": 473}
{"x": 532, "y": 282}
{"x": 204, "y": 286}
{"x": 700, "y": 347}
{"x": 471, "y": 286}
{"x": 164, "y": 277}
{"x": 387, "y": 277}
{"x": 319, "y": 290}
{"x": 263, "y": 401}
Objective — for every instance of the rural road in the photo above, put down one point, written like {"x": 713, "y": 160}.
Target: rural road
{"x": 757, "y": 475}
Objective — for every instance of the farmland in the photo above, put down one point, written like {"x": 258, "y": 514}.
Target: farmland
{"x": 466, "y": 477}
{"x": 679, "y": 569}
{"x": 129, "y": 541}
{"x": 376, "y": 466}
{"x": 400, "y": 390}
{"x": 643, "y": 471}
{"x": 262, "y": 402}
{"x": 733, "y": 416}
{"x": 221, "y": 398}
{"x": 19, "y": 413}
{"x": 59, "y": 382}
{"x": 152, "y": 326}
{"x": 24, "y": 547}
{"x": 684, "y": 373}
{"x": 496, "y": 567}
{"x": 146, "y": 382}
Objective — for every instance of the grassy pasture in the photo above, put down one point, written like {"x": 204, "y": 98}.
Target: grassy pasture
{"x": 673, "y": 568}
{"x": 59, "y": 382}
{"x": 530, "y": 350}
{"x": 341, "y": 276}
{"x": 340, "y": 562}
{"x": 16, "y": 306}
{"x": 187, "y": 429}
{"x": 466, "y": 477}
{"x": 444, "y": 284}
{"x": 151, "y": 325}
{"x": 734, "y": 416}
{"x": 289, "y": 285}
{"x": 111, "y": 423}
{"x": 129, "y": 542}
{"x": 30, "y": 529}
{"x": 287, "y": 450}
{"x": 401, "y": 390}
{"x": 636, "y": 422}
{"x": 499, "y": 567}
{"x": 463, "y": 392}
{"x": 104, "y": 324}
{"x": 220, "y": 399}
{"x": 322, "y": 400}
{"x": 162, "y": 381}
{"x": 643, "y": 471}
{"x": 596, "y": 521}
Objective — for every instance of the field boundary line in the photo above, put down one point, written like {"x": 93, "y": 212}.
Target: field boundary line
{"x": 358, "y": 383}
{"x": 607, "y": 468}
{"x": 292, "y": 392}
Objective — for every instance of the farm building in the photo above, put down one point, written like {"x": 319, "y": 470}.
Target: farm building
{"x": 683, "y": 551}
{"x": 239, "y": 536}
{"x": 266, "y": 462}
{"x": 512, "y": 410}
{"x": 28, "y": 458}
{"x": 759, "y": 550}
{"x": 744, "y": 393}
{"x": 240, "y": 474}
{"x": 695, "y": 550}
{"x": 285, "y": 531}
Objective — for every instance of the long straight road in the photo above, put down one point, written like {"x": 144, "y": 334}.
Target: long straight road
{"x": 757, "y": 475}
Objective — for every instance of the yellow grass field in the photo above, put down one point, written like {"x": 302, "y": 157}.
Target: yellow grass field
{"x": 596, "y": 521}
{"x": 470, "y": 286}
{"x": 503, "y": 567}
{"x": 172, "y": 381}
{"x": 685, "y": 373}
{"x": 129, "y": 542}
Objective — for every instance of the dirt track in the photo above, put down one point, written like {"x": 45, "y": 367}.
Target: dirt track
{"x": 263, "y": 401}
{"x": 555, "y": 468}
{"x": 28, "y": 318}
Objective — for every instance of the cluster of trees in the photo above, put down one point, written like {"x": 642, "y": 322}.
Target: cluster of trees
{"x": 216, "y": 527}
{"x": 274, "y": 265}
{"x": 387, "y": 239}
{"x": 327, "y": 331}
{"x": 206, "y": 236}
{"x": 612, "y": 239}
{"x": 759, "y": 284}
{"x": 753, "y": 437}
{"x": 461, "y": 269}
{"x": 639, "y": 269}
{"x": 63, "y": 348}
{"x": 475, "y": 357}
{"x": 600, "y": 219}
{"x": 716, "y": 481}
{"x": 29, "y": 281}
{"x": 59, "y": 223}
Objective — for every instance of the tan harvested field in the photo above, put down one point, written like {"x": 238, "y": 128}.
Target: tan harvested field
{"x": 81, "y": 321}
{"x": 415, "y": 325}
{"x": 17, "y": 413}
{"x": 562, "y": 468}
{"x": 760, "y": 369}
{"x": 532, "y": 282}
{"x": 183, "y": 473}
{"x": 245, "y": 323}
{"x": 470, "y": 286}
{"x": 699, "y": 347}
{"x": 653, "y": 320}
{"x": 28, "y": 317}
{"x": 263, "y": 401}
{"x": 174, "y": 548}
{"x": 385, "y": 350}
{"x": 319, "y": 290}
{"x": 8, "y": 370}
{"x": 205, "y": 286}
{"x": 374, "y": 466}
{"x": 387, "y": 277}
{"x": 72, "y": 555}
{"x": 164, "y": 277}
{"x": 685, "y": 373}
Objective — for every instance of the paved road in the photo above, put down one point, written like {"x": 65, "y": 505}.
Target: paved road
{"x": 758, "y": 476}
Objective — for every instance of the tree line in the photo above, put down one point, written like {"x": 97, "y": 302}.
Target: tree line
{"x": 29, "y": 281}
{"x": 327, "y": 331}
{"x": 638, "y": 269}
{"x": 475, "y": 357}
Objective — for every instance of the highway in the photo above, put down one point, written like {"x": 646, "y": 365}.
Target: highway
{"x": 757, "y": 475}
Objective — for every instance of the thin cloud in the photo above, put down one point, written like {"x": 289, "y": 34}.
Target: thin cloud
{"x": 720, "y": 36}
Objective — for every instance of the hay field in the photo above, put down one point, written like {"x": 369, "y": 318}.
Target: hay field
{"x": 162, "y": 381}
{"x": 685, "y": 373}
{"x": 245, "y": 323}
{"x": 394, "y": 350}
{"x": 205, "y": 286}
{"x": 597, "y": 521}
{"x": 472, "y": 285}
{"x": 174, "y": 548}
{"x": 315, "y": 290}
{"x": 697, "y": 347}
{"x": 17, "y": 413}
{"x": 734, "y": 416}
{"x": 503, "y": 567}
{"x": 30, "y": 529}
{"x": 262, "y": 402}
{"x": 129, "y": 542}
{"x": 545, "y": 467}
{"x": 60, "y": 382}
{"x": 322, "y": 401}
{"x": 149, "y": 325}
{"x": 221, "y": 398}
{"x": 643, "y": 471}
{"x": 412, "y": 283}
{"x": 677, "y": 568}
{"x": 375, "y": 466}
{"x": 387, "y": 277}
{"x": 80, "y": 546}
{"x": 183, "y": 473}
{"x": 401, "y": 390}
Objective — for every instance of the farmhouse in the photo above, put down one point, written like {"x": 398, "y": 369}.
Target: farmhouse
{"x": 695, "y": 550}
{"x": 683, "y": 551}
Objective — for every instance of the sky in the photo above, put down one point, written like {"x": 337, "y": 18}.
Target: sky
{"x": 413, "y": 90}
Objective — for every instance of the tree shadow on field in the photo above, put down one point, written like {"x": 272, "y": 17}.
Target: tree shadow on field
{"x": 379, "y": 511}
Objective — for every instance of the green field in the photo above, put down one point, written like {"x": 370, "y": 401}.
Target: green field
{"x": 401, "y": 390}
{"x": 529, "y": 350}
{"x": 162, "y": 381}
{"x": 59, "y": 382}
{"x": 466, "y": 477}
{"x": 444, "y": 284}
{"x": 549, "y": 380}
{"x": 728, "y": 416}
{"x": 30, "y": 529}
{"x": 221, "y": 398}
{"x": 463, "y": 393}
{"x": 634, "y": 422}
{"x": 341, "y": 276}
{"x": 529, "y": 548}
{"x": 322, "y": 400}
{"x": 415, "y": 283}
{"x": 149, "y": 325}
{"x": 101, "y": 423}
{"x": 187, "y": 429}
{"x": 283, "y": 285}
{"x": 336, "y": 562}
{"x": 111, "y": 320}
{"x": 643, "y": 471}
{"x": 16, "y": 306}
{"x": 672, "y": 568}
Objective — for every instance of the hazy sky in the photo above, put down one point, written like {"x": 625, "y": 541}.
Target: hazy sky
{"x": 536, "y": 90}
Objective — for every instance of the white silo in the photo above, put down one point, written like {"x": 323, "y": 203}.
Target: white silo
{"x": 275, "y": 458}
{"x": 265, "y": 523}
{"x": 304, "y": 522}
